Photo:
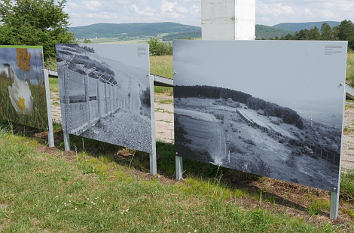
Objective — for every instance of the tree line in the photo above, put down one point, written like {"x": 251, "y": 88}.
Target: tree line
{"x": 344, "y": 32}
{"x": 34, "y": 22}
{"x": 158, "y": 47}
{"x": 44, "y": 23}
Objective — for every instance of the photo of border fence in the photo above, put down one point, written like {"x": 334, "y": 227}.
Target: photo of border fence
{"x": 105, "y": 93}
{"x": 269, "y": 108}
{"x": 22, "y": 88}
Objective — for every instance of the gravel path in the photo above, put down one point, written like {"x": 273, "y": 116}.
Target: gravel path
{"x": 348, "y": 138}
{"x": 164, "y": 119}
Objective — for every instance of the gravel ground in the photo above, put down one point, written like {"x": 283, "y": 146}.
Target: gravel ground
{"x": 348, "y": 138}
{"x": 123, "y": 129}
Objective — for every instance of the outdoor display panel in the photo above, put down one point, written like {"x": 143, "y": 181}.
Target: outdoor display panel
{"x": 271, "y": 108}
{"x": 22, "y": 86}
{"x": 105, "y": 93}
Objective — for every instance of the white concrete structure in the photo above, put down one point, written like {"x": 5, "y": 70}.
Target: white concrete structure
{"x": 228, "y": 19}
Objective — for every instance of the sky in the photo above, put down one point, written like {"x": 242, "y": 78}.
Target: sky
{"x": 268, "y": 12}
{"x": 291, "y": 74}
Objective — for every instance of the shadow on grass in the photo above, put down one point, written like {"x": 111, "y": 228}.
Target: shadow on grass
{"x": 225, "y": 177}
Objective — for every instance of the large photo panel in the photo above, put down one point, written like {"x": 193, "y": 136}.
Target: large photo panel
{"x": 105, "y": 93}
{"x": 22, "y": 87}
{"x": 271, "y": 108}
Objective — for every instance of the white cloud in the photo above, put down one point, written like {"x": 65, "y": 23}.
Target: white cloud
{"x": 92, "y": 5}
{"x": 147, "y": 11}
{"x": 269, "y": 12}
{"x": 168, "y": 6}
{"x": 308, "y": 11}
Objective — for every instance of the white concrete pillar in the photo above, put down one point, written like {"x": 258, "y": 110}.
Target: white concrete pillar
{"x": 228, "y": 19}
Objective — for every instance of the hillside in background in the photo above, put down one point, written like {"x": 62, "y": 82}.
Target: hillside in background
{"x": 170, "y": 31}
{"x": 294, "y": 27}
{"x": 133, "y": 31}
{"x": 267, "y": 32}
{"x": 165, "y": 31}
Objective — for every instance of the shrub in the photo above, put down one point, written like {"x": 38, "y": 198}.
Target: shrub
{"x": 351, "y": 43}
{"x": 159, "y": 48}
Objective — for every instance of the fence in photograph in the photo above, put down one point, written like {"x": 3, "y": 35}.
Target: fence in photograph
{"x": 158, "y": 80}
{"x": 91, "y": 98}
{"x": 330, "y": 156}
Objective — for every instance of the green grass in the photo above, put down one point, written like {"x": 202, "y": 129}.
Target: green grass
{"x": 318, "y": 206}
{"x": 347, "y": 185}
{"x": 162, "y": 66}
{"x": 81, "y": 193}
{"x": 164, "y": 90}
{"x": 51, "y": 64}
{"x": 21, "y": 46}
{"x": 166, "y": 101}
{"x": 37, "y": 118}
{"x": 53, "y": 85}
{"x": 163, "y": 110}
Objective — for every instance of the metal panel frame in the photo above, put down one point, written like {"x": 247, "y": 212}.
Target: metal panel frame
{"x": 49, "y": 110}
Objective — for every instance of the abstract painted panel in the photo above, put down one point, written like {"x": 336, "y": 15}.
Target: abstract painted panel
{"x": 22, "y": 86}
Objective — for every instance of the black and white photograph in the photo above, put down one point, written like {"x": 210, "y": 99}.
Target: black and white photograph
{"x": 270, "y": 108}
{"x": 105, "y": 93}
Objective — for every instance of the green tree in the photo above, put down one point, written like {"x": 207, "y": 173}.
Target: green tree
{"x": 345, "y": 30}
{"x": 87, "y": 41}
{"x": 308, "y": 34}
{"x": 159, "y": 48}
{"x": 34, "y": 22}
{"x": 351, "y": 42}
{"x": 327, "y": 32}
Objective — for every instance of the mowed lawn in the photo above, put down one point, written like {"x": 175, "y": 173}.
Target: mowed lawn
{"x": 47, "y": 190}
{"x": 162, "y": 66}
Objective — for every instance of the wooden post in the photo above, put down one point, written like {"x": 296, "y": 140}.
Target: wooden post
{"x": 111, "y": 97}
{"x": 153, "y": 162}
{"x": 105, "y": 100}
{"x": 49, "y": 110}
{"x": 87, "y": 98}
{"x": 99, "y": 99}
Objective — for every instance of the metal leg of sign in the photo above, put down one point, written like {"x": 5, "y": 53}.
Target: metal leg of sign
{"x": 179, "y": 168}
{"x": 153, "y": 163}
{"x": 336, "y": 192}
{"x": 49, "y": 110}
{"x": 66, "y": 141}
{"x": 334, "y": 205}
